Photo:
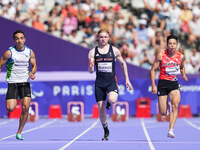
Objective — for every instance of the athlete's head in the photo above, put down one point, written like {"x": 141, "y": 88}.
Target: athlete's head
{"x": 16, "y": 32}
{"x": 172, "y": 42}
{"x": 19, "y": 39}
{"x": 103, "y": 36}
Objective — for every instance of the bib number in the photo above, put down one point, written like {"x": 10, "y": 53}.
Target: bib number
{"x": 105, "y": 67}
{"x": 172, "y": 70}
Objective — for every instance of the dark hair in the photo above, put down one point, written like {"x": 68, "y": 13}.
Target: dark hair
{"x": 18, "y": 31}
{"x": 172, "y": 37}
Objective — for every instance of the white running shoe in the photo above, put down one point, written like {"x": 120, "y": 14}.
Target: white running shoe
{"x": 171, "y": 134}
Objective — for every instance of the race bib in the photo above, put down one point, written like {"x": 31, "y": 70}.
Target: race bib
{"x": 105, "y": 67}
{"x": 172, "y": 70}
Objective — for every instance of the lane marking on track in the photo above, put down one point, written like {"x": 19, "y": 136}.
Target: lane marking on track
{"x": 97, "y": 142}
{"x": 41, "y": 126}
{"x": 191, "y": 124}
{"x": 76, "y": 138}
{"x": 147, "y": 135}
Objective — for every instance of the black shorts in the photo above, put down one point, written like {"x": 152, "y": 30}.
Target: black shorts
{"x": 101, "y": 91}
{"x": 16, "y": 90}
{"x": 166, "y": 86}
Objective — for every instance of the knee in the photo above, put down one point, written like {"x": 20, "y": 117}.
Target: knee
{"x": 25, "y": 109}
{"x": 175, "y": 107}
{"x": 112, "y": 100}
{"x": 10, "y": 109}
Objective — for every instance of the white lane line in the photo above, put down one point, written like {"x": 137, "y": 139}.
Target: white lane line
{"x": 97, "y": 142}
{"x": 147, "y": 135}
{"x": 4, "y": 122}
{"x": 76, "y": 138}
{"x": 41, "y": 126}
{"x": 191, "y": 124}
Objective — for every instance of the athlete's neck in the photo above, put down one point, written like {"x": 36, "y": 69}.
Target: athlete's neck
{"x": 103, "y": 46}
{"x": 19, "y": 48}
{"x": 171, "y": 52}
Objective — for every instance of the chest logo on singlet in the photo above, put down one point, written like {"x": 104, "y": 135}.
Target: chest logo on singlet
{"x": 105, "y": 67}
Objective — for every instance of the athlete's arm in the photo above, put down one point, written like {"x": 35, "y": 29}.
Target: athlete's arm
{"x": 91, "y": 61}
{"x": 153, "y": 68}
{"x": 5, "y": 58}
{"x": 34, "y": 65}
{"x": 124, "y": 67}
{"x": 182, "y": 68}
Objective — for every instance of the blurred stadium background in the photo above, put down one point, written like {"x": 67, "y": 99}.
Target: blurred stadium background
{"x": 61, "y": 32}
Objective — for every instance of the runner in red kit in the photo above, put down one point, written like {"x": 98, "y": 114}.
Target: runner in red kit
{"x": 171, "y": 63}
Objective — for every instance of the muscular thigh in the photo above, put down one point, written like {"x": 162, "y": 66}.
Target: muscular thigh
{"x": 175, "y": 96}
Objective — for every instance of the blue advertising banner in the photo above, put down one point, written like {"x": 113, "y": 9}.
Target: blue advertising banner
{"x": 61, "y": 92}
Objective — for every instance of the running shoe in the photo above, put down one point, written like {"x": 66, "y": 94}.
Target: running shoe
{"x": 108, "y": 105}
{"x": 171, "y": 134}
{"x": 106, "y": 134}
{"x": 163, "y": 118}
{"x": 19, "y": 137}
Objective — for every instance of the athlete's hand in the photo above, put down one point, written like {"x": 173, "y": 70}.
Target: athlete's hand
{"x": 185, "y": 78}
{"x": 91, "y": 62}
{"x": 32, "y": 76}
{"x": 129, "y": 85}
{"x": 154, "y": 89}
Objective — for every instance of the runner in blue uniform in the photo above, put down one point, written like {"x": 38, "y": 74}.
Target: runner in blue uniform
{"x": 104, "y": 57}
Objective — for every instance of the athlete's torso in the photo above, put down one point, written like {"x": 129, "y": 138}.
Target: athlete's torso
{"x": 105, "y": 66}
{"x": 170, "y": 66}
{"x": 18, "y": 65}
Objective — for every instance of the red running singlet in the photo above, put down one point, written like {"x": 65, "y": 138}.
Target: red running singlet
{"x": 170, "y": 66}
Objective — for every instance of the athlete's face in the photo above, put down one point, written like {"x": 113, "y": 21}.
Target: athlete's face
{"x": 172, "y": 45}
{"x": 103, "y": 38}
{"x": 19, "y": 40}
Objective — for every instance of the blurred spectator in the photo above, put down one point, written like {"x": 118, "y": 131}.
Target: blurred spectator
{"x": 194, "y": 31}
{"x": 195, "y": 60}
{"x": 95, "y": 22}
{"x": 186, "y": 14}
{"x": 129, "y": 32}
{"x": 74, "y": 38}
{"x": 22, "y": 9}
{"x": 158, "y": 40}
{"x": 70, "y": 23}
{"x": 152, "y": 29}
{"x": 125, "y": 51}
{"x": 162, "y": 8}
{"x": 81, "y": 17}
{"x": 150, "y": 7}
{"x": 196, "y": 10}
{"x": 105, "y": 24}
{"x": 145, "y": 60}
{"x": 37, "y": 23}
{"x": 141, "y": 34}
{"x": 119, "y": 29}
{"x": 173, "y": 23}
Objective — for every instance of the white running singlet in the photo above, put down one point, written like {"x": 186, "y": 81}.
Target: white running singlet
{"x": 18, "y": 65}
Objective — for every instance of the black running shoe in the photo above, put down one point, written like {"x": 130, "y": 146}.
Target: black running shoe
{"x": 106, "y": 134}
{"x": 108, "y": 105}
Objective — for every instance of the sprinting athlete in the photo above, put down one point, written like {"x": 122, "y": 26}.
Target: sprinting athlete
{"x": 104, "y": 57}
{"x": 171, "y": 63}
{"x": 18, "y": 77}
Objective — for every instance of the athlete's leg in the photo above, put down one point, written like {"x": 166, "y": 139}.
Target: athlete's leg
{"x": 25, "y": 102}
{"x": 163, "y": 104}
{"x": 103, "y": 119}
{"x": 11, "y": 104}
{"x": 175, "y": 97}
